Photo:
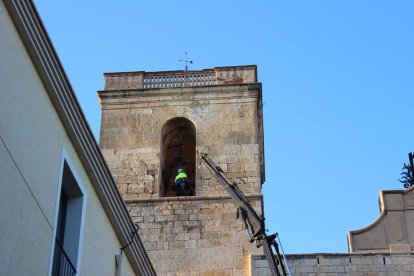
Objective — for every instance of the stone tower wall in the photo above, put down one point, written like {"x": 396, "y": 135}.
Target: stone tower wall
{"x": 195, "y": 237}
{"x": 200, "y": 234}
{"x": 228, "y": 127}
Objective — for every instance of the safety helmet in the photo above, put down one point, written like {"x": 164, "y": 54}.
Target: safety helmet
{"x": 180, "y": 170}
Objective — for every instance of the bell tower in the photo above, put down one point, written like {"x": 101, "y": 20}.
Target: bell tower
{"x": 156, "y": 122}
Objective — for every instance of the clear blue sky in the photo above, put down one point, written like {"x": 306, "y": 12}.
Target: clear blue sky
{"x": 338, "y": 80}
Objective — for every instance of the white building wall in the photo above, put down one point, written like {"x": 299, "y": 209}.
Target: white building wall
{"x": 32, "y": 139}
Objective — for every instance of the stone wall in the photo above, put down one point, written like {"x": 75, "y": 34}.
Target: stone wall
{"x": 199, "y": 234}
{"x": 393, "y": 230}
{"x": 215, "y": 76}
{"x": 198, "y": 237}
{"x": 354, "y": 264}
{"x": 228, "y": 127}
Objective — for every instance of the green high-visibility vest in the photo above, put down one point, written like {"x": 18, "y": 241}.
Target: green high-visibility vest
{"x": 181, "y": 175}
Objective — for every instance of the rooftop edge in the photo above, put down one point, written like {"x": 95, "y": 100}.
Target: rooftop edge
{"x": 181, "y": 78}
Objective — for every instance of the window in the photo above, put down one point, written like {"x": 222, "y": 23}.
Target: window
{"x": 178, "y": 144}
{"x": 68, "y": 225}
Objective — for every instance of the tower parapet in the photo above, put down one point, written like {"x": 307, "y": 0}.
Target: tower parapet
{"x": 181, "y": 78}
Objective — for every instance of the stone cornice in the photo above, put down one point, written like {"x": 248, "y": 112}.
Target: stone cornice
{"x": 339, "y": 255}
{"x": 192, "y": 198}
{"x": 213, "y": 91}
{"x": 50, "y": 70}
{"x": 176, "y": 100}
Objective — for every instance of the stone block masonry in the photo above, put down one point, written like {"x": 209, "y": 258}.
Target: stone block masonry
{"x": 354, "y": 264}
{"x": 228, "y": 128}
{"x": 199, "y": 237}
{"x": 154, "y": 123}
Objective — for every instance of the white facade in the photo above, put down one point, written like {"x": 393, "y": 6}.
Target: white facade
{"x": 35, "y": 144}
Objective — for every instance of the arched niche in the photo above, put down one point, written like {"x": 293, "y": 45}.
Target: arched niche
{"x": 178, "y": 148}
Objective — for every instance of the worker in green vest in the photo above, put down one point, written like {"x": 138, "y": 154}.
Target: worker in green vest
{"x": 180, "y": 180}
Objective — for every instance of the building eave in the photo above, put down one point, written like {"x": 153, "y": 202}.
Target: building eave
{"x": 56, "y": 83}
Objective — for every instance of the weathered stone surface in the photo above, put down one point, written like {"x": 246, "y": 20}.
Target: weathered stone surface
{"x": 392, "y": 230}
{"x": 131, "y": 135}
{"x": 340, "y": 264}
{"x": 200, "y": 234}
{"x": 202, "y": 229}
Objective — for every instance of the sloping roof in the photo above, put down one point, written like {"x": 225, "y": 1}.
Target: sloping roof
{"x": 50, "y": 70}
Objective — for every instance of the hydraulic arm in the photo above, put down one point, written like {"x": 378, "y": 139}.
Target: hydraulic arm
{"x": 254, "y": 223}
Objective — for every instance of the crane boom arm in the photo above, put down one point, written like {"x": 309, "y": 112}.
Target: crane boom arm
{"x": 254, "y": 223}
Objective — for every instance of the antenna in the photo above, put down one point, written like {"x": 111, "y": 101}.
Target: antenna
{"x": 187, "y": 61}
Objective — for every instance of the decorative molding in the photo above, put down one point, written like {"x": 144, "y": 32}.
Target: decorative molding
{"x": 220, "y": 91}
{"x": 192, "y": 198}
{"x": 50, "y": 70}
